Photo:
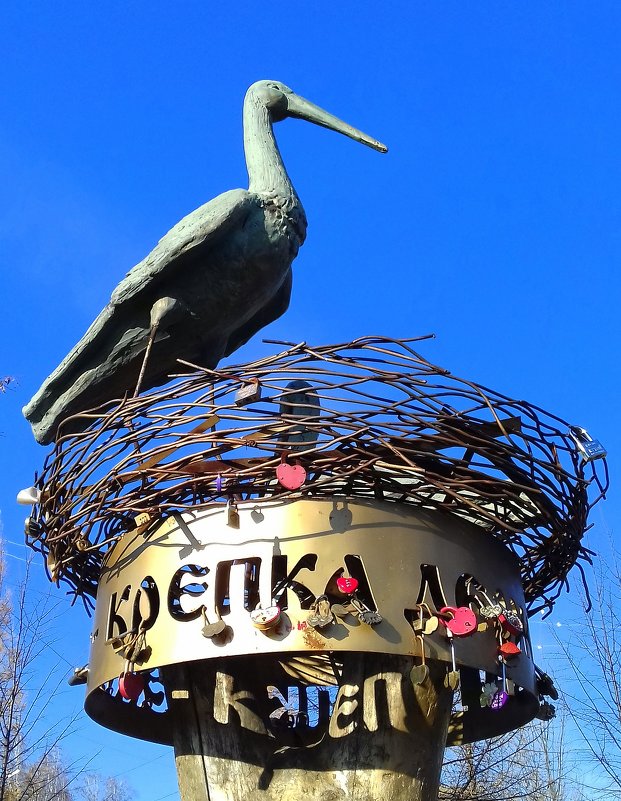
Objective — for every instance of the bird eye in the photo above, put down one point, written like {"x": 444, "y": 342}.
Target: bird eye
{"x": 275, "y": 86}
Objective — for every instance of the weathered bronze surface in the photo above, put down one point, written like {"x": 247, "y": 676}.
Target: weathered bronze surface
{"x": 213, "y": 281}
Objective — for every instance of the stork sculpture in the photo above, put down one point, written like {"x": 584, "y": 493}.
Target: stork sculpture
{"x": 216, "y": 278}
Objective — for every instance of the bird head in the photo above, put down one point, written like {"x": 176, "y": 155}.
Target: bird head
{"x": 283, "y": 102}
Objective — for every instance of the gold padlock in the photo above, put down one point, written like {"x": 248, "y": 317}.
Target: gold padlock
{"x": 232, "y": 515}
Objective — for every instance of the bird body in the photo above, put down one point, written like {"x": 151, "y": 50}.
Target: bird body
{"x": 224, "y": 271}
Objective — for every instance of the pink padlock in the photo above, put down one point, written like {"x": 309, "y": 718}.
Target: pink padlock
{"x": 463, "y": 621}
{"x": 290, "y": 476}
{"x": 130, "y": 685}
{"x": 347, "y": 584}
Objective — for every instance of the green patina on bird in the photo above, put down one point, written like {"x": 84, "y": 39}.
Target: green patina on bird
{"x": 220, "y": 275}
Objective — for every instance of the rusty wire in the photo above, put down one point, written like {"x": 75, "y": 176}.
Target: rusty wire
{"x": 390, "y": 426}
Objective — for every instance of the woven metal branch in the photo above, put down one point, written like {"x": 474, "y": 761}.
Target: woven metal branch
{"x": 378, "y": 421}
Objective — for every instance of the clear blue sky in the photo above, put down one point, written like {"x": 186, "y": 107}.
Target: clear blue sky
{"x": 494, "y": 221}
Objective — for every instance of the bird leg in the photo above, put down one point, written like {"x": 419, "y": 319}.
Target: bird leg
{"x": 162, "y": 308}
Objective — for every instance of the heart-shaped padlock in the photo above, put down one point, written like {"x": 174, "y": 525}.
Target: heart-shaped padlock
{"x": 488, "y": 691}
{"x": 347, "y": 584}
{"x": 508, "y": 650}
{"x": 131, "y": 685}
{"x": 290, "y": 476}
{"x": 462, "y": 622}
{"x": 418, "y": 674}
{"x": 210, "y": 630}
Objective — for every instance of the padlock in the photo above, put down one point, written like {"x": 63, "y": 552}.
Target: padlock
{"x": 232, "y": 515}
{"x": 511, "y": 622}
{"x": 248, "y": 393}
{"x": 491, "y": 611}
{"x": 546, "y": 712}
{"x": 426, "y": 623}
{"x": 346, "y": 585}
{"x": 590, "y": 449}
{"x": 130, "y": 684}
{"x": 342, "y": 610}
{"x": 290, "y": 476}
{"x": 210, "y": 630}
{"x": 419, "y": 673}
{"x": 451, "y": 680}
{"x": 366, "y": 615}
{"x": 488, "y": 692}
{"x": 29, "y": 496}
{"x": 545, "y": 685}
{"x": 509, "y": 650}
{"x": 501, "y": 696}
{"x": 32, "y": 528}
{"x": 499, "y": 700}
{"x": 321, "y": 613}
{"x": 265, "y": 619}
{"x": 460, "y": 621}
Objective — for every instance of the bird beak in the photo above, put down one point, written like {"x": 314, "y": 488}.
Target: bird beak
{"x": 305, "y": 110}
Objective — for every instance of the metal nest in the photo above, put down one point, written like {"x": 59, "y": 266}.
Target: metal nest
{"x": 374, "y": 420}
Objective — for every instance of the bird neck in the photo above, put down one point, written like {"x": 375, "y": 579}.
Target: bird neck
{"x": 266, "y": 171}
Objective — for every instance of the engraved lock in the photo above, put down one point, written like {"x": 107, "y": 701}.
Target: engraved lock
{"x": 460, "y": 620}
{"x": 501, "y": 696}
{"x": 511, "y": 623}
{"x": 249, "y": 393}
{"x": 589, "y": 448}
{"x": 267, "y": 618}
{"x": 346, "y": 585}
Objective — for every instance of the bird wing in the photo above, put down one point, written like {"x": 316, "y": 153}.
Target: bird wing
{"x": 272, "y": 310}
{"x": 204, "y": 226}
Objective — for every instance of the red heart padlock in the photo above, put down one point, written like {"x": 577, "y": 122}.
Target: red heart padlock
{"x": 290, "y": 476}
{"x": 347, "y": 585}
{"x": 511, "y": 622}
{"x": 508, "y": 650}
{"x": 463, "y": 621}
{"x": 131, "y": 685}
